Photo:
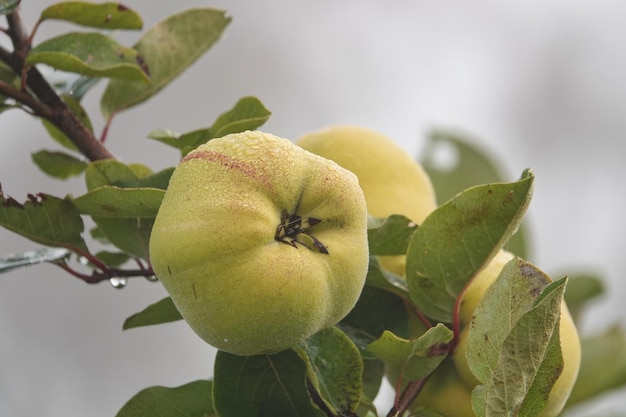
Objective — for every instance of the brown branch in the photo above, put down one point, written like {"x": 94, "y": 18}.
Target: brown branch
{"x": 409, "y": 395}
{"x": 26, "y": 99}
{"x": 51, "y": 106}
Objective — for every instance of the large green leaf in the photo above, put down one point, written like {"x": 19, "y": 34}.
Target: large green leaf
{"x": 262, "y": 386}
{"x": 110, "y": 201}
{"x": 190, "y": 400}
{"x": 390, "y": 236}
{"x": 131, "y": 235}
{"x": 373, "y": 374}
{"x": 248, "y": 114}
{"x": 513, "y": 342}
{"x": 91, "y": 54}
{"x": 45, "y": 219}
{"x": 458, "y": 239}
{"x": 385, "y": 280}
{"x": 468, "y": 165}
{"x": 163, "y": 311}
{"x": 168, "y": 49}
{"x": 334, "y": 369}
{"x": 103, "y": 16}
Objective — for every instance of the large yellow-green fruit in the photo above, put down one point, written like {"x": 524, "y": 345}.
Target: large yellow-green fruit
{"x": 570, "y": 341}
{"x": 260, "y": 243}
{"x": 392, "y": 181}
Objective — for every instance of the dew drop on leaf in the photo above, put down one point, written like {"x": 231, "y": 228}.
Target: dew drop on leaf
{"x": 118, "y": 282}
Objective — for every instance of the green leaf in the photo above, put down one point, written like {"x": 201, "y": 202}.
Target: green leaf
{"x": 373, "y": 373}
{"x": 91, "y": 54}
{"x": 385, "y": 280}
{"x": 33, "y": 257}
{"x": 8, "y": 6}
{"x": 102, "y": 16}
{"x": 58, "y": 164}
{"x": 44, "y": 219}
{"x": 581, "y": 290}
{"x": 108, "y": 172}
{"x": 114, "y": 259}
{"x": 412, "y": 360}
{"x": 163, "y": 311}
{"x": 602, "y": 366}
{"x": 9, "y": 77}
{"x": 168, "y": 49}
{"x": 74, "y": 105}
{"x": 130, "y": 235}
{"x": 261, "y": 386}
{"x": 334, "y": 369}
{"x": 458, "y": 239}
{"x": 248, "y": 114}
{"x": 390, "y": 236}
{"x": 110, "y": 201}
{"x": 375, "y": 312}
{"x": 367, "y": 408}
{"x": 158, "y": 180}
{"x": 513, "y": 342}
{"x": 82, "y": 86}
{"x": 190, "y": 400}
{"x": 471, "y": 166}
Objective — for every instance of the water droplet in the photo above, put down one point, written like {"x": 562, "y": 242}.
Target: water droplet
{"x": 83, "y": 260}
{"x": 152, "y": 278}
{"x": 118, "y": 283}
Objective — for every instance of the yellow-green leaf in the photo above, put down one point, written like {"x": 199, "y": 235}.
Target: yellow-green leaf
{"x": 58, "y": 164}
{"x": 163, "y": 311}
{"x": 111, "y": 201}
{"x": 192, "y": 399}
{"x": 458, "y": 238}
{"x": 91, "y": 54}
{"x": 44, "y": 219}
{"x": 168, "y": 49}
{"x": 102, "y": 16}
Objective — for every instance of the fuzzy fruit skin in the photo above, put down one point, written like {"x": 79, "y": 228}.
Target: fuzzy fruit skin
{"x": 214, "y": 246}
{"x": 392, "y": 181}
{"x": 570, "y": 341}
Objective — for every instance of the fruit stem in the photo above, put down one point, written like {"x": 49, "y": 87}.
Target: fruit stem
{"x": 409, "y": 395}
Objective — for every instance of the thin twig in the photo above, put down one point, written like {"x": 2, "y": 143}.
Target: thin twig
{"x": 38, "y": 88}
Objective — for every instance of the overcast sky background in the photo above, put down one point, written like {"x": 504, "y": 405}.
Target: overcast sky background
{"x": 540, "y": 84}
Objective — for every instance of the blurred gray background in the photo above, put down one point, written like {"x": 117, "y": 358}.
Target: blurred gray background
{"x": 540, "y": 84}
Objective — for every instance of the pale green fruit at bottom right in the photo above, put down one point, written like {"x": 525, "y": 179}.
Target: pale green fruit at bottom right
{"x": 570, "y": 341}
